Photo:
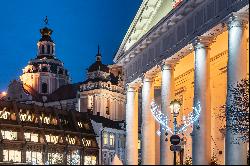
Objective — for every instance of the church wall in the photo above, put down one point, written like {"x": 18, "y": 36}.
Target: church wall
{"x": 101, "y": 99}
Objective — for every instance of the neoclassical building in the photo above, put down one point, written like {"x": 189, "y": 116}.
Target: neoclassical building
{"x": 192, "y": 51}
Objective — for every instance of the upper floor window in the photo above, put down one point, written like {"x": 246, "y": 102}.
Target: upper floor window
{"x": 31, "y": 137}
{"x": 52, "y": 138}
{"x": 105, "y": 138}
{"x": 10, "y": 135}
{"x": 112, "y": 140}
{"x": 44, "y": 88}
{"x": 139, "y": 144}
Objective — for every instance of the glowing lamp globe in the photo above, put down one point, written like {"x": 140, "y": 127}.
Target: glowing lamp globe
{"x": 175, "y": 107}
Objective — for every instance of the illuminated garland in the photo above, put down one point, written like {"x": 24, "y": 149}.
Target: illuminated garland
{"x": 163, "y": 119}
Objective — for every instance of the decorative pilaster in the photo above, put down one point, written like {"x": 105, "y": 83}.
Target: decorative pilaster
{"x": 132, "y": 126}
{"x": 235, "y": 153}
{"x": 167, "y": 95}
{"x": 201, "y": 136}
{"x": 148, "y": 122}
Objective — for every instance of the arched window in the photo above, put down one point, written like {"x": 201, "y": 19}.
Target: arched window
{"x": 52, "y": 48}
{"x": 42, "y": 49}
{"x": 44, "y": 88}
{"x": 48, "y": 49}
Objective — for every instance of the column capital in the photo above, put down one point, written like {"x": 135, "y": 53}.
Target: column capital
{"x": 132, "y": 87}
{"x": 237, "y": 20}
{"x": 148, "y": 77}
{"x": 203, "y": 42}
{"x": 167, "y": 66}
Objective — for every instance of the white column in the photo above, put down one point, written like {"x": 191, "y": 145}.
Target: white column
{"x": 167, "y": 95}
{"x": 201, "y": 136}
{"x": 235, "y": 154}
{"x": 132, "y": 126}
{"x": 148, "y": 122}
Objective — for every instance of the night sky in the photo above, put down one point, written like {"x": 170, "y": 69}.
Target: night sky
{"x": 78, "y": 25}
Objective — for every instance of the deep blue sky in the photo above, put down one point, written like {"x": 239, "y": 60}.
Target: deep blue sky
{"x": 78, "y": 25}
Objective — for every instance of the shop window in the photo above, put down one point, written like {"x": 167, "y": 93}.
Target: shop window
{"x": 12, "y": 155}
{"x": 55, "y": 158}
{"x": 90, "y": 160}
{"x": 34, "y": 158}
{"x": 73, "y": 158}
{"x": 111, "y": 140}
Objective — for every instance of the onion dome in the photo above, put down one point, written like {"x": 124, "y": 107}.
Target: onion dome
{"x": 98, "y": 65}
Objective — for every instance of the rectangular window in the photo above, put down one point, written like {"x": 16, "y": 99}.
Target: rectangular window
{"x": 73, "y": 158}
{"x": 55, "y": 158}
{"x": 90, "y": 160}
{"x": 34, "y": 158}
{"x": 10, "y": 135}
{"x": 105, "y": 138}
{"x": 139, "y": 144}
{"x": 52, "y": 138}
{"x": 12, "y": 155}
{"x": 112, "y": 140}
{"x": 31, "y": 137}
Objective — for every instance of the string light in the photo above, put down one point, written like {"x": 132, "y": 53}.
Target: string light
{"x": 163, "y": 119}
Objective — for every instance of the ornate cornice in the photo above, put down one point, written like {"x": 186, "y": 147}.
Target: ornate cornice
{"x": 203, "y": 42}
{"x": 238, "y": 20}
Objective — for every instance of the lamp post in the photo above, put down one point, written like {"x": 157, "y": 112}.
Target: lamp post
{"x": 175, "y": 106}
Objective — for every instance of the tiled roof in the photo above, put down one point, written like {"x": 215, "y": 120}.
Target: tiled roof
{"x": 65, "y": 92}
{"x": 107, "y": 122}
{"x": 98, "y": 66}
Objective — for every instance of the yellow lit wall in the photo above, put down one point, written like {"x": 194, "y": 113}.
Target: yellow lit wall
{"x": 184, "y": 90}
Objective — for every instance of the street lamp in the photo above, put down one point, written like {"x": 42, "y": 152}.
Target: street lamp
{"x": 175, "y": 106}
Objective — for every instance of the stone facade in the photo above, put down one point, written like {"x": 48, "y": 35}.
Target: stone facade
{"x": 193, "y": 53}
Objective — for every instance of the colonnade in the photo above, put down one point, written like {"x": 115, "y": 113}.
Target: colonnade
{"x": 201, "y": 135}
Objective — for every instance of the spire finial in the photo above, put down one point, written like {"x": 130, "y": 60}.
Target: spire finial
{"x": 98, "y": 49}
{"x": 98, "y": 55}
{"x": 46, "y": 21}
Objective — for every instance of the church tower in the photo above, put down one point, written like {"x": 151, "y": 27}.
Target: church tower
{"x": 45, "y": 73}
{"x": 103, "y": 93}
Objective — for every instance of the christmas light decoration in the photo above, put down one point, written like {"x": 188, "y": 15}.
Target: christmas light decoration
{"x": 163, "y": 119}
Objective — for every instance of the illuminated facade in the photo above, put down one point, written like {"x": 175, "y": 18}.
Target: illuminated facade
{"x": 103, "y": 91}
{"x": 45, "y": 73}
{"x": 191, "y": 51}
{"x": 45, "y": 91}
{"x": 37, "y": 135}
{"x": 112, "y": 142}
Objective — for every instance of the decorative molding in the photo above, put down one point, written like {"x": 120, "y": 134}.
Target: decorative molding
{"x": 204, "y": 19}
